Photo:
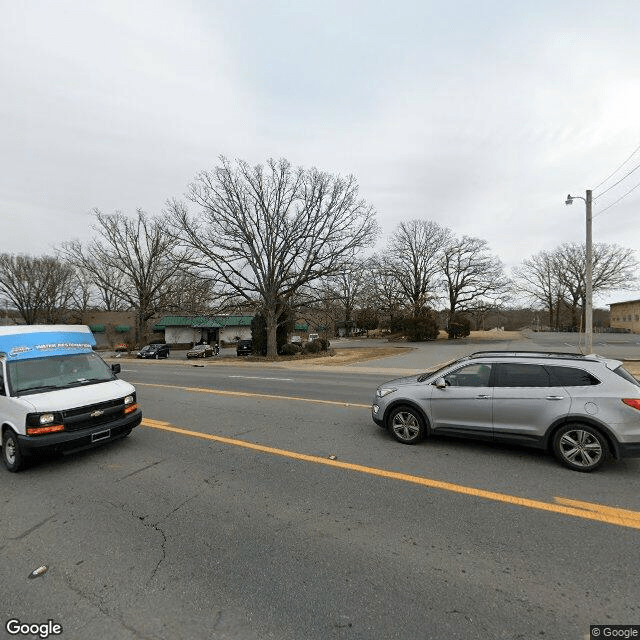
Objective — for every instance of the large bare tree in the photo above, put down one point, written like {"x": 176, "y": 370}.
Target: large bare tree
{"x": 266, "y": 232}
{"x": 471, "y": 272}
{"x": 539, "y": 279}
{"x": 347, "y": 291}
{"x": 139, "y": 251}
{"x": 39, "y": 287}
{"x": 613, "y": 267}
{"x": 413, "y": 253}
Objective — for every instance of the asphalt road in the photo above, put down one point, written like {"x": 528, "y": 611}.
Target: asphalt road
{"x": 264, "y": 503}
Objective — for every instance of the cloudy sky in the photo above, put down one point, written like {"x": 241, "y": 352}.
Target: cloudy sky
{"x": 480, "y": 115}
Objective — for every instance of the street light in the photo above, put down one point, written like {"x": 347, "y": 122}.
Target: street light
{"x": 588, "y": 312}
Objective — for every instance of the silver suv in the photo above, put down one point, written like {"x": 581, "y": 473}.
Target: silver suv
{"x": 583, "y": 408}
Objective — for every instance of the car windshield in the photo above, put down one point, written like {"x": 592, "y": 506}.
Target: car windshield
{"x": 57, "y": 372}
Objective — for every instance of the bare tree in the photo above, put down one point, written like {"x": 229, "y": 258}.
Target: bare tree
{"x": 382, "y": 292}
{"x": 346, "y": 290}
{"x": 38, "y": 287}
{"x": 614, "y": 267}
{"x": 538, "y": 277}
{"x": 268, "y": 231}
{"x": 140, "y": 252}
{"x": 471, "y": 272}
{"x": 413, "y": 255}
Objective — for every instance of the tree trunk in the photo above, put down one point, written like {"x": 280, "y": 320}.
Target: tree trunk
{"x": 272, "y": 327}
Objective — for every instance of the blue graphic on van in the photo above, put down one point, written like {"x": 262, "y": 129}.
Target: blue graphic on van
{"x": 20, "y": 346}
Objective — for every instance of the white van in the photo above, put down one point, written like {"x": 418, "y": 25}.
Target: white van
{"x": 57, "y": 394}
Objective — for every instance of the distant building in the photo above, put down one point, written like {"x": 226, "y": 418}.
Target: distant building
{"x": 210, "y": 329}
{"x": 625, "y": 315}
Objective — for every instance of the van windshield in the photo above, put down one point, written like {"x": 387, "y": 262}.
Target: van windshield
{"x": 37, "y": 375}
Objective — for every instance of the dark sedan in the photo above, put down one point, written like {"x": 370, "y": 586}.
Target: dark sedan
{"x": 154, "y": 351}
{"x": 201, "y": 351}
{"x": 244, "y": 348}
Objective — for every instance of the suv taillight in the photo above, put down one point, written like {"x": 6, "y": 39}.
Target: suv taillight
{"x": 632, "y": 402}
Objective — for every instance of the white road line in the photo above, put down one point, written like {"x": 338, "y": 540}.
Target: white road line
{"x": 263, "y": 378}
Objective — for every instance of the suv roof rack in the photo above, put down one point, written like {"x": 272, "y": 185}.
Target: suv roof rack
{"x": 528, "y": 354}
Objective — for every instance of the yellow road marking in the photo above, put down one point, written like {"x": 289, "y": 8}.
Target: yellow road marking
{"x": 600, "y": 508}
{"x": 244, "y": 394}
{"x": 599, "y": 513}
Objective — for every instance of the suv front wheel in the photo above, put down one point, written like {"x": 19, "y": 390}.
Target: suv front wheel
{"x": 406, "y": 425}
{"x": 580, "y": 447}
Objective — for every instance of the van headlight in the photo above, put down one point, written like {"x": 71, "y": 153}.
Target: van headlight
{"x": 45, "y": 422}
{"x": 42, "y": 419}
{"x": 381, "y": 392}
{"x": 129, "y": 399}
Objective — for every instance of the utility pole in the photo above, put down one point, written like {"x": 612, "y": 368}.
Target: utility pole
{"x": 588, "y": 312}
{"x": 588, "y": 288}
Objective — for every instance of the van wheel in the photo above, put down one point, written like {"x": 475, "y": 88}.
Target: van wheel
{"x": 580, "y": 447}
{"x": 406, "y": 425}
{"x": 11, "y": 454}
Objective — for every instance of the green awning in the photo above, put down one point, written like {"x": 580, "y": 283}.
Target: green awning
{"x": 97, "y": 328}
{"x": 301, "y": 327}
{"x": 122, "y": 328}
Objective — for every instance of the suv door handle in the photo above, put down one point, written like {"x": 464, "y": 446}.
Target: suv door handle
{"x": 483, "y": 397}
{"x": 555, "y": 397}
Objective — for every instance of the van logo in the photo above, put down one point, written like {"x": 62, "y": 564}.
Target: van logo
{"x": 96, "y": 414}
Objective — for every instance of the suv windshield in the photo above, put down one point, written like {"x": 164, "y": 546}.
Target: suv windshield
{"x": 57, "y": 372}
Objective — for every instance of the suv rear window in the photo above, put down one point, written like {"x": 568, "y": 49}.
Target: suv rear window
{"x": 571, "y": 377}
{"x": 623, "y": 373}
{"x": 516, "y": 374}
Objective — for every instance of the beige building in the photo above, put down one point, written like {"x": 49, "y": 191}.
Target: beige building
{"x": 625, "y": 315}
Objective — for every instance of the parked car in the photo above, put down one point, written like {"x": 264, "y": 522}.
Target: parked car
{"x": 244, "y": 348}
{"x": 313, "y": 336}
{"x": 154, "y": 351}
{"x": 583, "y": 408}
{"x": 200, "y": 351}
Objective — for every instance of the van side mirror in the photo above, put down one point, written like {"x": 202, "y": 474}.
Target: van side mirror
{"x": 440, "y": 383}
{"x": 115, "y": 368}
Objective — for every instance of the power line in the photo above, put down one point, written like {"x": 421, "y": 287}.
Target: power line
{"x": 615, "y": 184}
{"x": 616, "y": 202}
{"x": 618, "y": 169}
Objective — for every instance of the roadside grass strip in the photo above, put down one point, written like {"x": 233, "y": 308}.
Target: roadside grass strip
{"x": 563, "y": 506}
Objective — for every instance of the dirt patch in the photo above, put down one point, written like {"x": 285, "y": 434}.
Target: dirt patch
{"x": 633, "y": 367}
{"x": 360, "y": 354}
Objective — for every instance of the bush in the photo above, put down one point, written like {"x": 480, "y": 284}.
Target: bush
{"x": 290, "y": 349}
{"x": 313, "y": 347}
{"x": 324, "y": 344}
{"x": 459, "y": 327}
{"x": 420, "y": 328}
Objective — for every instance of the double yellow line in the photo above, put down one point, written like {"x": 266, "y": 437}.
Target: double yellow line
{"x": 564, "y": 506}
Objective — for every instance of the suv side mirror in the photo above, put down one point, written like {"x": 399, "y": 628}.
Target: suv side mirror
{"x": 440, "y": 383}
{"x": 115, "y": 368}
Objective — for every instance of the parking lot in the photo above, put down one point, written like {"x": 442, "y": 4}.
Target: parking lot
{"x": 262, "y": 502}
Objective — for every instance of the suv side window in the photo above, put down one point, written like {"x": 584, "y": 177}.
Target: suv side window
{"x": 571, "y": 377}
{"x": 520, "y": 374}
{"x": 473, "y": 375}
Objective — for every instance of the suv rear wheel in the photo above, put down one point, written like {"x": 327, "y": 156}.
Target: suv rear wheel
{"x": 406, "y": 425}
{"x": 580, "y": 447}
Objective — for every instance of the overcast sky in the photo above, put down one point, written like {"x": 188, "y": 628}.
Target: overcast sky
{"x": 480, "y": 115}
